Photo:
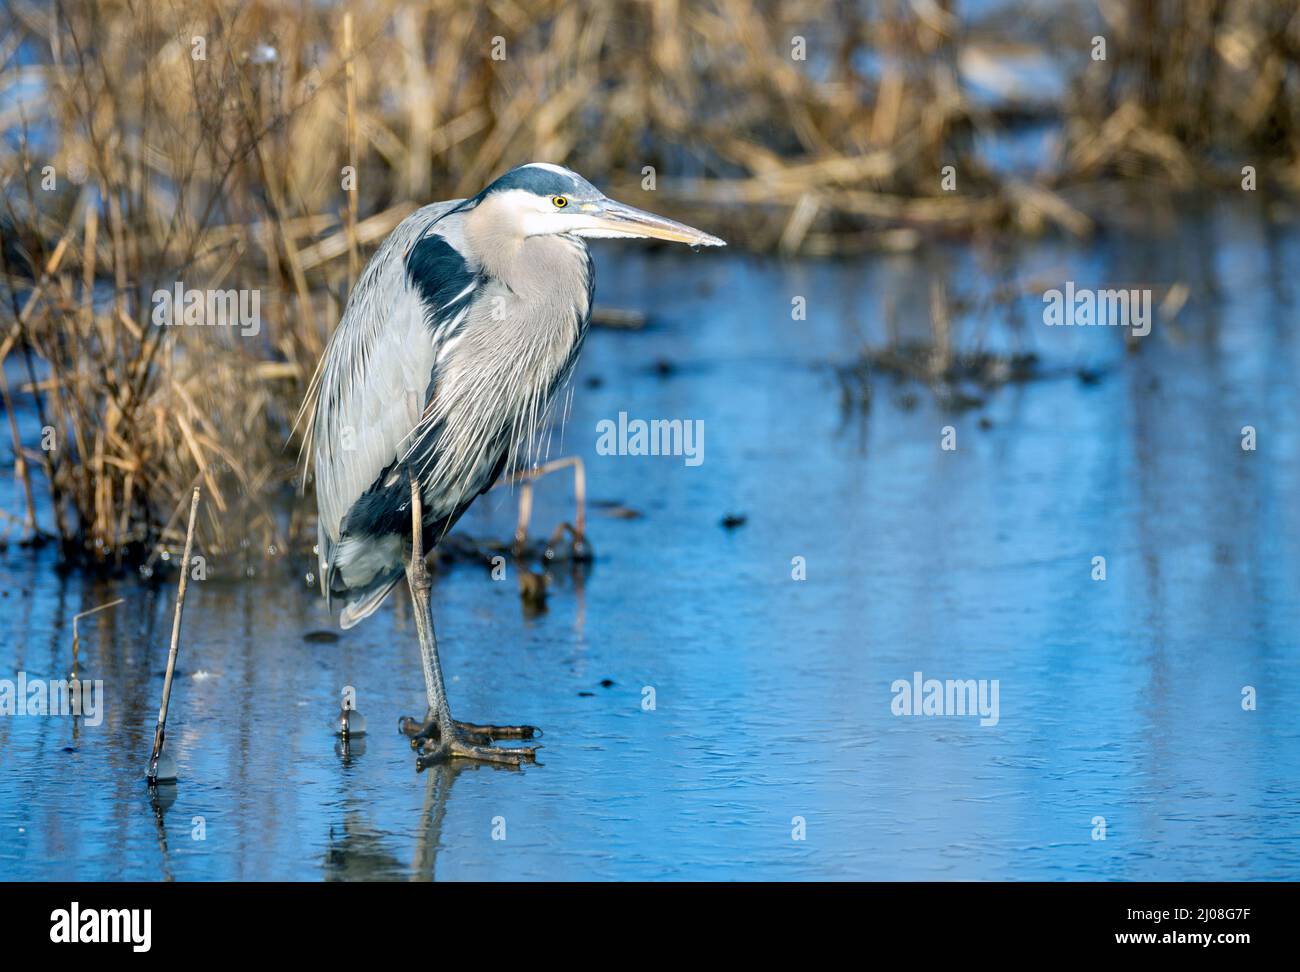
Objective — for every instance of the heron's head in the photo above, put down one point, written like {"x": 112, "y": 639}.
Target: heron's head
{"x": 540, "y": 199}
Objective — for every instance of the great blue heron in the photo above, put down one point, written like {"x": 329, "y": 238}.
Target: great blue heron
{"x": 455, "y": 340}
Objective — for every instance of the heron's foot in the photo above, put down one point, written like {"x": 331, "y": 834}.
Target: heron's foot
{"x": 468, "y": 740}
{"x": 461, "y": 746}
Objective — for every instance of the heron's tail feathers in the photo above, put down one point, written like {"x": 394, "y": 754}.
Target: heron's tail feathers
{"x": 366, "y": 601}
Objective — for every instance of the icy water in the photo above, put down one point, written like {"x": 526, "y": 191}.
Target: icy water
{"x": 1118, "y": 699}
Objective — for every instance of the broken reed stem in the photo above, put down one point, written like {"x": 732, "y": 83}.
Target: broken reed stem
{"x": 527, "y": 477}
{"x": 76, "y": 637}
{"x": 20, "y": 461}
{"x": 160, "y": 731}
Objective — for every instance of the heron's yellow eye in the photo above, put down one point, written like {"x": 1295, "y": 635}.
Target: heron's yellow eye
{"x": 560, "y": 202}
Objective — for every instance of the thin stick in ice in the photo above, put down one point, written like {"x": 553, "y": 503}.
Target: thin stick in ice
{"x": 160, "y": 731}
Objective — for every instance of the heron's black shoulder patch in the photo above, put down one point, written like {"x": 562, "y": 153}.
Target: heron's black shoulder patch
{"x": 437, "y": 270}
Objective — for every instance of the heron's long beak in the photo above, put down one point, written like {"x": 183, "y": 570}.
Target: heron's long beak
{"x": 618, "y": 219}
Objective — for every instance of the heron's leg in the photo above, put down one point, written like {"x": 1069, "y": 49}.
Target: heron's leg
{"x": 442, "y": 736}
{"x": 435, "y": 691}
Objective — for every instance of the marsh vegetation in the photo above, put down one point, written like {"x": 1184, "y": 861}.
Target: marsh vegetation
{"x": 266, "y": 147}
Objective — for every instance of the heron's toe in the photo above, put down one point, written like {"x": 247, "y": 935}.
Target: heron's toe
{"x": 499, "y": 732}
{"x": 463, "y": 747}
{"x": 417, "y": 730}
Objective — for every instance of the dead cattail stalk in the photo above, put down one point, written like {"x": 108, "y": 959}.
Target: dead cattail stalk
{"x": 160, "y": 730}
{"x": 941, "y": 328}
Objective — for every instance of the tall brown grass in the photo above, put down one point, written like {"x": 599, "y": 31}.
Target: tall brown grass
{"x": 228, "y": 172}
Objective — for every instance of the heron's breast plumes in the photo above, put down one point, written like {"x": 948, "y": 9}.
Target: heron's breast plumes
{"x": 497, "y": 380}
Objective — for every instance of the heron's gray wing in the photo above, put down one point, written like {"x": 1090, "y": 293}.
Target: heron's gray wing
{"x": 378, "y": 370}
